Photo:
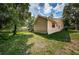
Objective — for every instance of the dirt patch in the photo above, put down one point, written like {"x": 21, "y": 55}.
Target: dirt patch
{"x": 39, "y": 45}
{"x": 71, "y": 48}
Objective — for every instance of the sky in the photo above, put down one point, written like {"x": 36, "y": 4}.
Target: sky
{"x": 46, "y": 9}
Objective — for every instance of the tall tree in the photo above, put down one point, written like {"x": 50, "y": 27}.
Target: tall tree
{"x": 30, "y": 23}
{"x": 15, "y": 14}
{"x": 71, "y": 14}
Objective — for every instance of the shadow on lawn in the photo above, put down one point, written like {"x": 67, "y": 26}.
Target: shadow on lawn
{"x": 16, "y": 45}
{"x": 73, "y": 31}
{"x": 59, "y": 36}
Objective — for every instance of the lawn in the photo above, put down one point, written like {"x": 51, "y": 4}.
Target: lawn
{"x": 27, "y": 43}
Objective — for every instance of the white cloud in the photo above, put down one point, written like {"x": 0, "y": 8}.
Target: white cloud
{"x": 47, "y": 8}
{"x": 58, "y": 10}
{"x": 59, "y": 7}
{"x": 34, "y": 9}
{"x": 57, "y": 16}
{"x": 34, "y": 4}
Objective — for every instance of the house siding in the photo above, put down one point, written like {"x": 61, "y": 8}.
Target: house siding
{"x": 40, "y": 25}
{"x": 58, "y": 26}
{"x": 44, "y": 25}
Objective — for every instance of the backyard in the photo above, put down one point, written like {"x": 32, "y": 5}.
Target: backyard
{"x": 29, "y": 43}
{"x": 17, "y": 29}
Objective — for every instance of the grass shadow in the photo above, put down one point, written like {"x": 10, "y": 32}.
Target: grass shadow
{"x": 16, "y": 45}
{"x": 59, "y": 36}
{"x": 4, "y": 36}
{"x": 73, "y": 31}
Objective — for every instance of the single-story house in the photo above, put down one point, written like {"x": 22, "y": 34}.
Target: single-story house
{"x": 48, "y": 25}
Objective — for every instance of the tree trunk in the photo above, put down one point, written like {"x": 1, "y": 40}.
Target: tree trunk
{"x": 14, "y": 31}
{"x": 0, "y": 26}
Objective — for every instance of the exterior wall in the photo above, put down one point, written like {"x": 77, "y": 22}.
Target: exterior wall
{"x": 40, "y": 25}
{"x": 58, "y": 26}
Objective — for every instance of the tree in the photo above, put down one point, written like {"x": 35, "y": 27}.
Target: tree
{"x": 3, "y": 15}
{"x": 30, "y": 23}
{"x": 14, "y": 14}
{"x": 20, "y": 15}
{"x": 71, "y": 14}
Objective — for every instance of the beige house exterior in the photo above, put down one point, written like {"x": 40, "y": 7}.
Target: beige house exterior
{"x": 48, "y": 25}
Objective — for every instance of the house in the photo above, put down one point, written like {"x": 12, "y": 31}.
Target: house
{"x": 48, "y": 25}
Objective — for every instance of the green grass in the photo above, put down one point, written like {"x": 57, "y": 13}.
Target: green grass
{"x": 38, "y": 44}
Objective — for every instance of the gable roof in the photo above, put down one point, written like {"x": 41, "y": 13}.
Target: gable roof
{"x": 53, "y": 20}
{"x": 45, "y": 18}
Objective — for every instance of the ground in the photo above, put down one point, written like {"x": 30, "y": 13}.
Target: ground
{"x": 64, "y": 42}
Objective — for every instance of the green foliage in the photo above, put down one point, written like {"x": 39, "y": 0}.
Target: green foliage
{"x": 30, "y": 23}
{"x": 14, "y": 13}
{"x": 71, "y": 15}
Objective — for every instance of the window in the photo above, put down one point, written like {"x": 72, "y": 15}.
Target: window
{"x": 53, "y": 25}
